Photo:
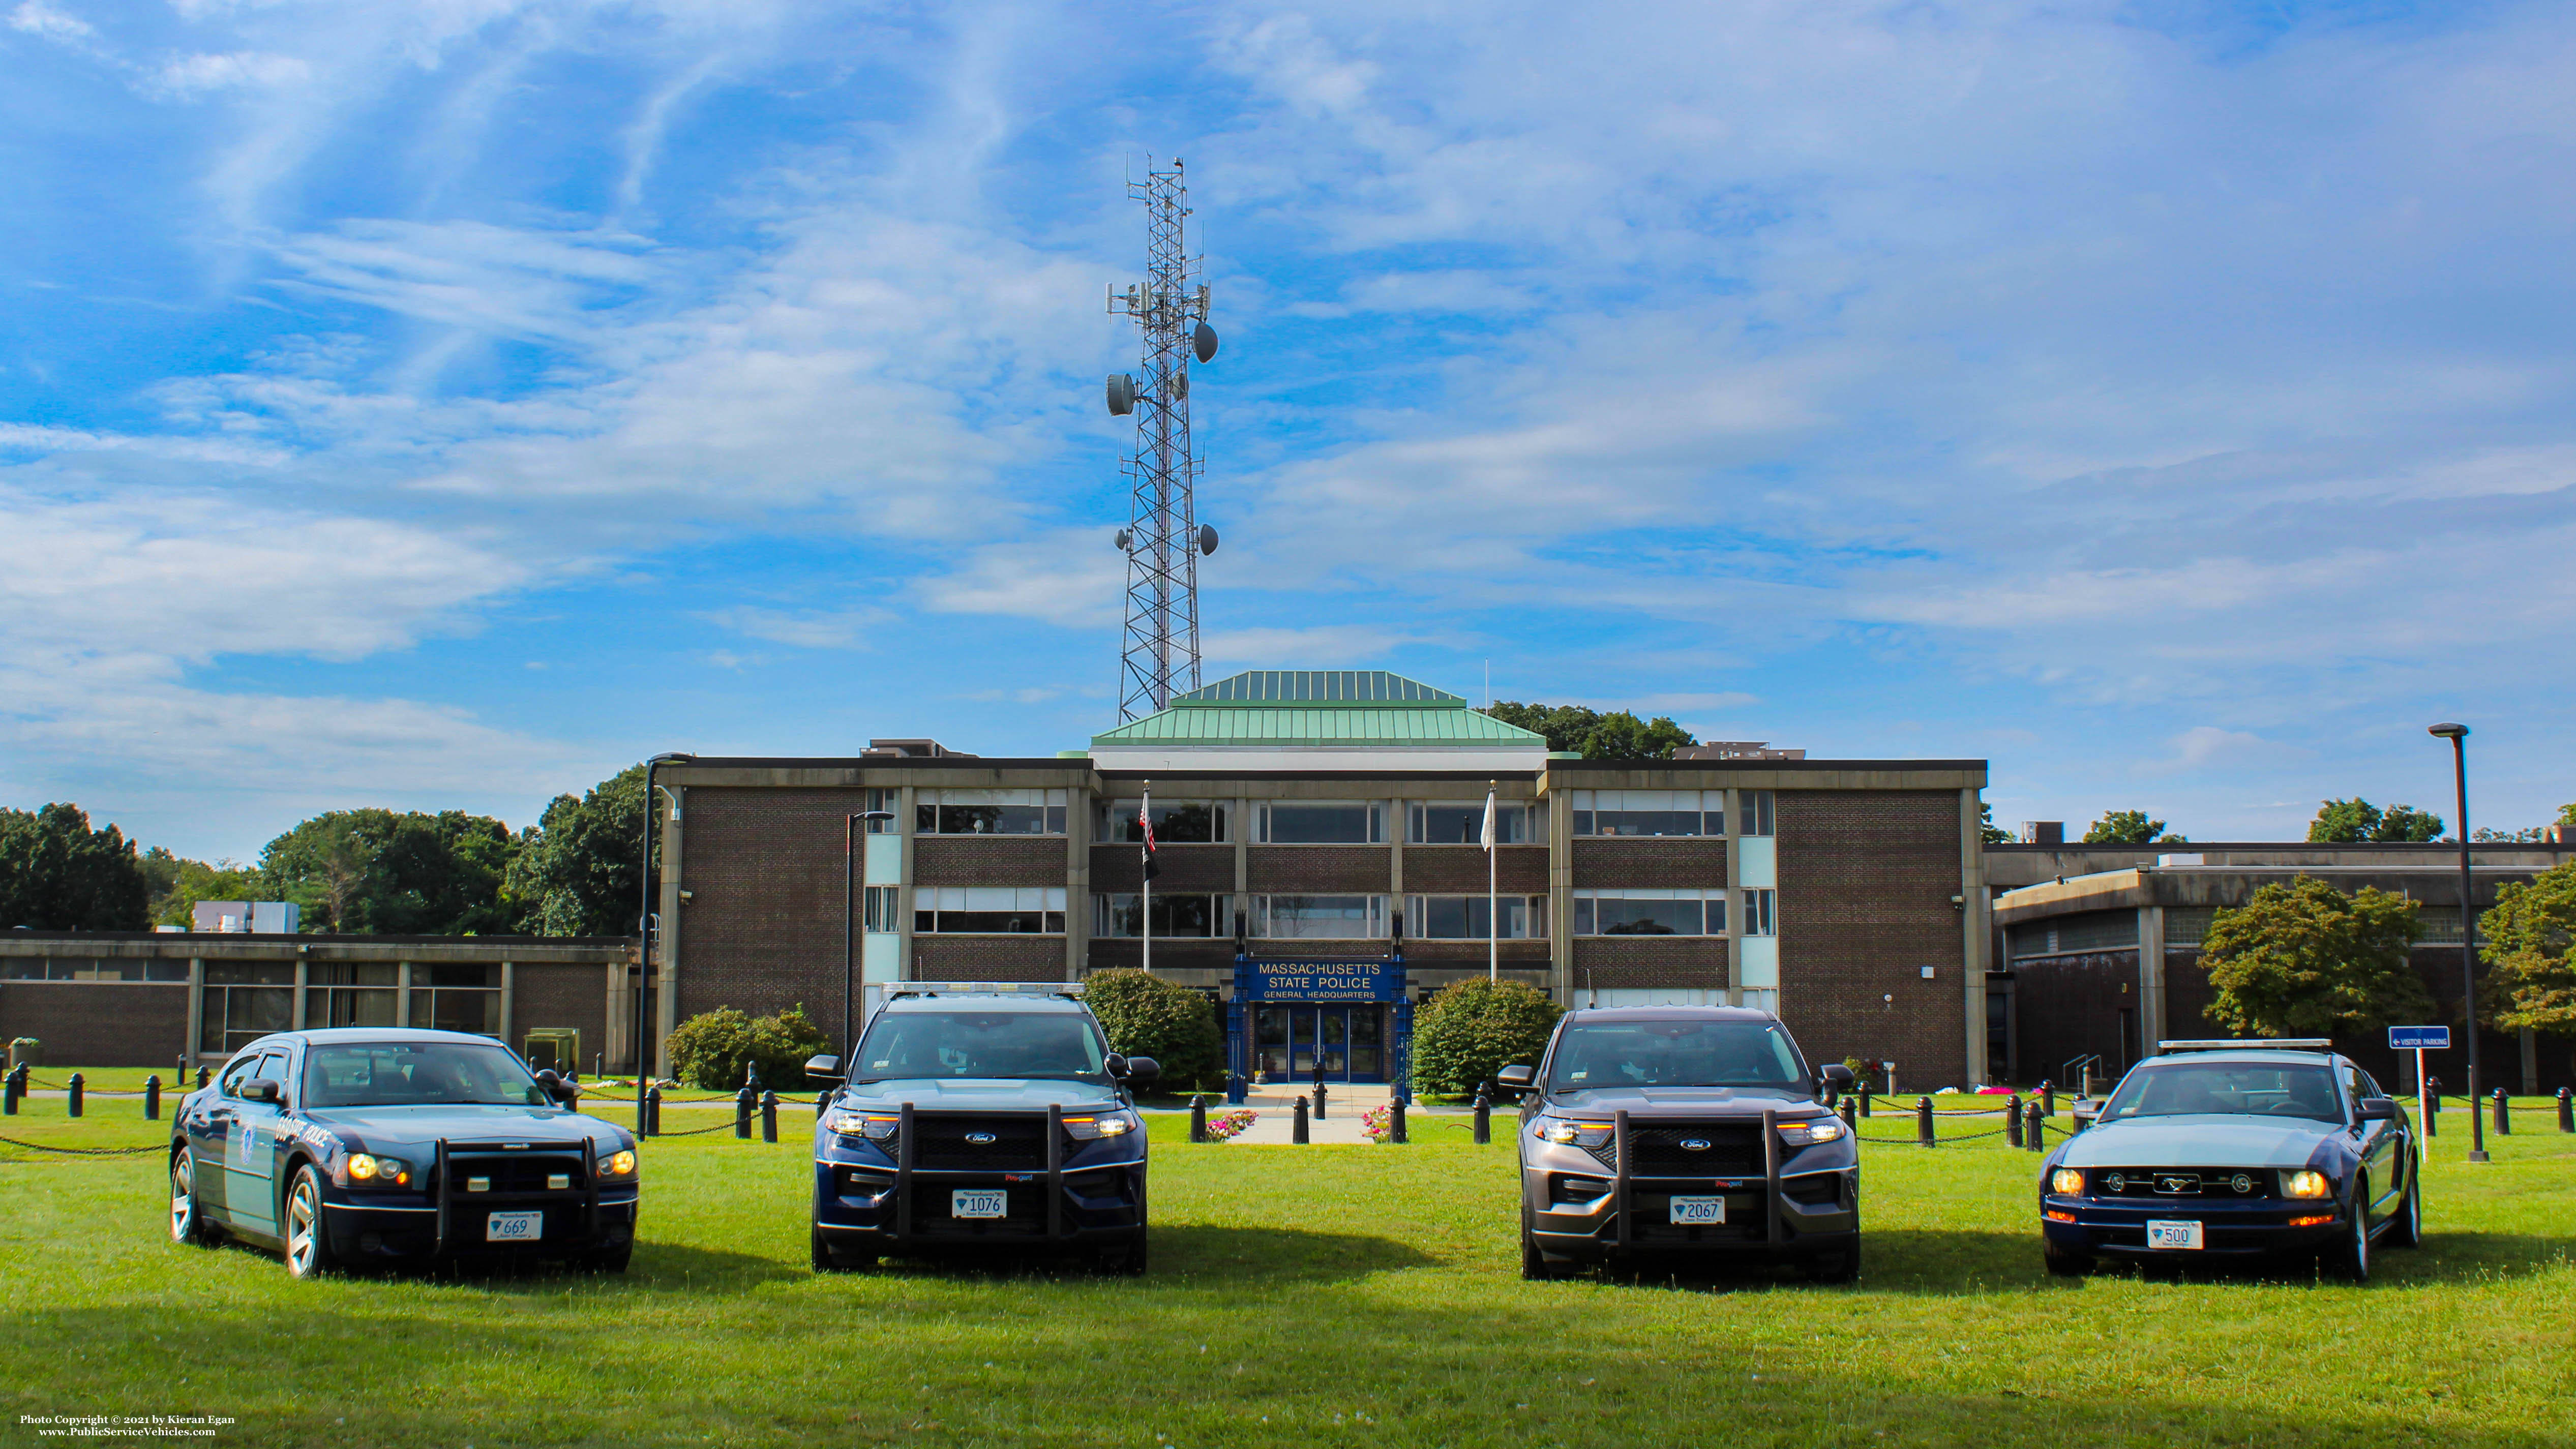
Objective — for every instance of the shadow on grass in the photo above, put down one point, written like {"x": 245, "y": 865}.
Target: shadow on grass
{"x": 1209, "y": 1256}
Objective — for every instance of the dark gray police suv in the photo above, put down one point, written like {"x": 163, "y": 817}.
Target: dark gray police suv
{"x": 1681, "y": 1131}
{"x": 981, "y": 1117}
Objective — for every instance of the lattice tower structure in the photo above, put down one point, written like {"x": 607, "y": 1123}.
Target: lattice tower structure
{"x": 1159, "y": 656}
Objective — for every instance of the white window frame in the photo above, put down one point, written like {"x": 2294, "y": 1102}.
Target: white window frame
{"x": 1376, "y": 820}
{"x": 939, "y": 900}
{"x": 1587, "y": 807}
{"x": 1375, "y": 924}
{"x": 1584, "y": 897}
{"x": 1044, "y": 800}
{"x": 1103, "y": 903}
{"x": 1533, "y": 915}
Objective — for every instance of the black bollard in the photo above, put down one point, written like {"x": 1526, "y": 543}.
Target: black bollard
{"x": 2566, "y": 1110}
{"x": 1864, "y": 1101}
{"x": 1395, "y": 1120}
{"x": 2012, "y": 1120}
{"x": 1923, "y": 1121}
{"x": 1850, "y": 1113}
{"x": 1198, "y": 1118}
{"x": 652, "y": 1111}
{"x": 769, "y": 1116}
{"x": 152, "y": 1098}
{"x": 1319, "y": 1101}
{"x": 743, "y": 1102}
{"x": 75, "y": 1095}
{"x": 9, "y": 1095}
{"x": 204, "y": 1075}
{"x": 1297, "y": 1127}
{"x": 2503, "y": 1113}
{"x": 2047, "y": 1099}
{"x": 2034, "y": 1135}
{"x": 1484, "y": 1118}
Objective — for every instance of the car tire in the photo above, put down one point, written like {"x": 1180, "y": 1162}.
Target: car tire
{"x": 2349, "y": 1258}
{"x": 829, "y": 1258}
{"x": 1128, "y": 1262}
{"x": 1841, "y": 1267}
{"x": 308, "y": 1237}
{"x": 2065, "y": 1262}
{"x": 2407, "y": 1231}
{"x": 188, "y": 1222}
{"x": 1536, "y": 1265}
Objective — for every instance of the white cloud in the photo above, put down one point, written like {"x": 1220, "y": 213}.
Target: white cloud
{"x": 35, "y": 17}
{"x": 191, "y": 76}
{"x": 806, "y": 629}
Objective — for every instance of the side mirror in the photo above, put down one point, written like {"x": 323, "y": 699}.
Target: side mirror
{"x": 559, "y": 1091}
{"x": 1519, "y": 1075}
{"x": 264, "y": 1089}
{"x": 827, "y": 1068}
{"x": 1837, "y": 1076}
{"x": 1137, "y": 1069}
{"x": 2376, "y": 1109}
{"x": 2084, "y": 1113}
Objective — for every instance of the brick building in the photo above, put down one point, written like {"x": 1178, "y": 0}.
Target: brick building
{"x": 1335, "y": 816}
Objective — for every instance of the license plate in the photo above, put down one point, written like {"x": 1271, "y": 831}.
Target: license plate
{"x": 1699, "y": 1210}
{"x": 971, "y": 1203}
{"x": 514, "y": 1227}
{"x": 2172, "y": 1233}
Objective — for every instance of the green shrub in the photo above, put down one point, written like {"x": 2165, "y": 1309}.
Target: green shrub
{"x": 1474, "y": 1029}
{"x": 711, "y": 1051}
{"x": 1147, "y": 1016}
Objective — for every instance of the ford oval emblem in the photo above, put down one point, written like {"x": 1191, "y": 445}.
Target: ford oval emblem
{"x": 1694, "y": 1144}
{"x": 982, "y": 1139}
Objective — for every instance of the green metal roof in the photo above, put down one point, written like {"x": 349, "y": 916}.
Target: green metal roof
{"x": 1318, "y": 687}
{"x": 1319, "y": 707}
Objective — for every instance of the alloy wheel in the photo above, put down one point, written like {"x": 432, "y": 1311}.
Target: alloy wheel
{"x": 183, "y": 1198}
{"x": 303, "y": 1215}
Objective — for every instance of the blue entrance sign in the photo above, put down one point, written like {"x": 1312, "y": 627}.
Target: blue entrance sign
{"x": 1369, "y": 979}
{"x": 2419, "y": 1038}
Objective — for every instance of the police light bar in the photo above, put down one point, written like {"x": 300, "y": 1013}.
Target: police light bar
{"x": 2281, "y": 1044}
{"x": 982, "y": 988}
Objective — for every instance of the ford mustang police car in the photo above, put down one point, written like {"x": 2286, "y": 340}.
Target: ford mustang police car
{"x": 352, "y": 1147}
{"x": 2234, "y": 1150}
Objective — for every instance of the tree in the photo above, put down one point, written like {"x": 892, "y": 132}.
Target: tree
{"x": 2526, "y": 940}
{"x": 714, "y": 1050}
{"x": 2354, "y": 821}
{"x": 578, "y": 870}
{"x": 2129, "y": 827}
{"x": 1148, "y": 1016}
{"x": 411, "y": 874}
{"x": 179, "y": 883}
{"x": 1986, "y": 826}
{"x": 57, "y": 874}
{"x": 1471, "y": 1030}
{"x": 1572, "y": 729}
{"x": 2304, "y": 959}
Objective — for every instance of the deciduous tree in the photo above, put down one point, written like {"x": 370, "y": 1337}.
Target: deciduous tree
{"x": 1148, "y": 1016}
{"x": 409, "y": 874}
{"x": 58, "y": 874}
{"x": 1474, "y": 1029}
{"x": 579, "y": 871}
{"x": 2529, "y": 941}
{"x": 2356, "y": 821}
{"x": 2304, "y": 959}
{"x": 2129, "y": 827}
{"x": 1574, "y": 730}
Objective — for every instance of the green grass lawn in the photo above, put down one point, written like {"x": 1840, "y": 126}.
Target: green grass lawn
{"x": 1305, "y": 1296}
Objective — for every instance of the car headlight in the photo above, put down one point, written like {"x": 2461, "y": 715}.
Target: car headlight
{"x": 1808, "y": 1134}
{"x": 874, "y": 1127}
{"x": 1580, "y": 1134}
{"x": 2307, "y": 1184}
{"x": 617, "y": 1164}
{"x": 2067, "y": 1182}
{"x": 368, "y": 1170}
{"x": 1107, "y": 1124}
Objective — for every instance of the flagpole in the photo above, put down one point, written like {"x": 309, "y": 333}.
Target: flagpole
{"x": 1493, "y": 898}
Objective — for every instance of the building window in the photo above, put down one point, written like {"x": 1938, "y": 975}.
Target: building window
{"x": 1649, "y": 812}
{"x": 353, "y": 993}
{"x": 1466, "y": 918}
{"x": 889, "y": 801}
{"x": 245, "y": 1001}
{"x": 989, "y": 812}
{"x": 1176, "y": 822}
{"x": 1181, "y": 914}
{"x": 1323, "y": 822}
{"x": 1761, "y": 913}
{"x": 1639, "y": 911}
{"x": 1757, "y": 812}
{"x": 458, "y": 998}
{"x": 1319, "y": 918}
{"x": 1451, "y": 822}
{"x": 883, "y": 908}
{"x": 1764, "y": 1000}
{"x": 86, "y": 968}
{"x": 988, "y": 910}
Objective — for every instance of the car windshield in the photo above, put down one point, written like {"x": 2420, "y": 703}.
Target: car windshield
{"x": 1057, "y": 1045}
{"x": 2226, "y": 1088}
{"x": 412, "y": 1074}
{"x": 1592, "y": 1056}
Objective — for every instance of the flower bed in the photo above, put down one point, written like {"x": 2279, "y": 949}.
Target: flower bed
{"x": 1377, "y": 1123}
{"x": 1222, "y": 1126}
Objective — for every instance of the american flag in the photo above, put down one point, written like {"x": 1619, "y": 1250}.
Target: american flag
{"x": 1145, "y": 827}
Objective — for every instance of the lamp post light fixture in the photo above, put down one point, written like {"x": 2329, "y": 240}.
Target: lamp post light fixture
{"x": 2458, "y": 735}
{"x": 644, "y": 957}
{"x": 849, "y": 926}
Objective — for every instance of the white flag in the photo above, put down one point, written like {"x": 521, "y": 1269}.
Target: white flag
{"x": 1488, "y": 839}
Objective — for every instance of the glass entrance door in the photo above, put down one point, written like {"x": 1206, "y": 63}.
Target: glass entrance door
{"x": 1291, "y": 1038}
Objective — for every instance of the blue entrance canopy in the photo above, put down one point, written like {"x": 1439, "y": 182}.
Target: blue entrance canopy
{"x": 1366, "y": 978}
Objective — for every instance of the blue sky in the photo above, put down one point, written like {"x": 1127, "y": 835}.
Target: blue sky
{"x": 445, "y": 404}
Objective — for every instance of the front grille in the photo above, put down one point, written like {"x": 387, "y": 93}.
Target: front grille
{"x": 1734, "y": 1150}
{"x": 1018, "y": 1145}
{"x": 934, "y": 1212}
{"x": 2152, "y": 1184}
{"x": 516, "y": 1174}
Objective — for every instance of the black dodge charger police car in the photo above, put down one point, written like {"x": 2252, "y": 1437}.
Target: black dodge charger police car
{"x": 1683, "y": 1131}
{"x": 359, "y": 1147}
{"x": 981, "y": 1116}
{"x": 2216, "y": 1151}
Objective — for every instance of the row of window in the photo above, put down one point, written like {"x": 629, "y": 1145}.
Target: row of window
{"x": 1205, "y": 915}
{"x": 1336, "y": 822}
{"x": 246, "y": 973}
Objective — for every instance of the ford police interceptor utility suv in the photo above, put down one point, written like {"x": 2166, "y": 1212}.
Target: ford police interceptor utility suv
{"x": 980, "y": 1117}
{"x": 357, "y": 1147}
{"x": 1683, "y": 1131}
{"x": 2230, "y": 1150}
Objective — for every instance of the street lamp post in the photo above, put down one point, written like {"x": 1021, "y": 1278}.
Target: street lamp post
{"x": 2458, "y": 735}
{"x": 644, "y": 957}
{"x": 849, "y": 929}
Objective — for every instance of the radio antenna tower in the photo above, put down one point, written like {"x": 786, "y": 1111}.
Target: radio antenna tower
{"x": 1163, "y": 539}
